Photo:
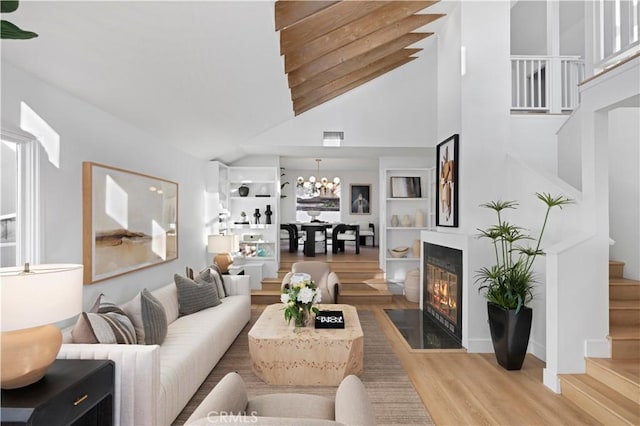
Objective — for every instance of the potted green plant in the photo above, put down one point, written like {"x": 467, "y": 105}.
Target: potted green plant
{"x": 508, "y": 284}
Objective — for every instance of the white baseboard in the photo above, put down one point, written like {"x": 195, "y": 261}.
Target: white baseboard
{"x": 537, "y": 350}
{"x": 597, "y": 348}
{"x": 551, "y": 380}
{"x": 479, "y": 346}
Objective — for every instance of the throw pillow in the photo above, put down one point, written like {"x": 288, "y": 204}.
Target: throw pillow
{"x": 104, "y": 323}
{"x": 217, "y": 277}
{"x": 196, "y": 295}
{"x": 148, "y": 317}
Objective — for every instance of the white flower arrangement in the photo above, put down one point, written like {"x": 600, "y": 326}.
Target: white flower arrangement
{"x": 299, "y": 298}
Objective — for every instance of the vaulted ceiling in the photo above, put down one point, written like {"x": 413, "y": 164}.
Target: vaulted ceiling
{"x": 170, "y": 69}
{"x": 331, "y": 47}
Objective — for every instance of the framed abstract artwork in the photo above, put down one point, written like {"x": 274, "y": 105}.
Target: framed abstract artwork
{"x": 360, "y": 198}
{"x": 130, "y": 221}
{"x": 447, "y": 176}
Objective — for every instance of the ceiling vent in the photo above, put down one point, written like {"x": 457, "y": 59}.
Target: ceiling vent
{"x": 332, "y": 139}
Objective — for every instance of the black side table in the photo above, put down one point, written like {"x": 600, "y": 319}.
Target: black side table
{"x": 78, "y": 392}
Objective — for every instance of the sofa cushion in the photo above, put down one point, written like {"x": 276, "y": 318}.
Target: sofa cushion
{"x": 196, "y": 295}
{"x": 148, "y": 317}
{"x": 104, "y": 323}
{"x": 279, "y": 405}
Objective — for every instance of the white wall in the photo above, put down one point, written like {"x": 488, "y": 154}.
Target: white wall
{"x": 529, "y": 28}
{"x": 89, "y": 134}
{"x": 533, "y": 136}
{"x": 624, "y": 191}
{"x": 484, "y": 136}
{"x": 569, "y": 152}
{"x": 396, "y": 109}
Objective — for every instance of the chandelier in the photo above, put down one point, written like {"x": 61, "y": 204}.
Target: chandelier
{"x": 318, "y": 187}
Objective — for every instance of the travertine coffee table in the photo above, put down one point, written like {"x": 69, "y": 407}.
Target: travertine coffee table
{"x": 284, "y": 355}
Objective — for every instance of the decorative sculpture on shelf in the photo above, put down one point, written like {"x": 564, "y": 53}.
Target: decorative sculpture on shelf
{"x": 268, "y": 214}
{"x": 257, "y": 215}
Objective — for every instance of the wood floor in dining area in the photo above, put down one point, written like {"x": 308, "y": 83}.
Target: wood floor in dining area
{"x": 460, "y": 388}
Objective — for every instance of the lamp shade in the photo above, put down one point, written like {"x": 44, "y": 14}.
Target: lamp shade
{"x": 223, "y": 244}
{"x": 32, "y": 298}
{"x": 44, "y": 295}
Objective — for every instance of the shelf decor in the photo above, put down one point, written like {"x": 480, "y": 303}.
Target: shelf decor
{"x": 406, "y": 187}
{"x": 130, "y": 221}
{"x": 447, "y": 175}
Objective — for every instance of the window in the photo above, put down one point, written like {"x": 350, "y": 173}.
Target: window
{"x": 19, "y": 205}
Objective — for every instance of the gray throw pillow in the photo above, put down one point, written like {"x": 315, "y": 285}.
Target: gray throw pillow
{"x": 196, "y": 295}
{"x": 148, "y": 317}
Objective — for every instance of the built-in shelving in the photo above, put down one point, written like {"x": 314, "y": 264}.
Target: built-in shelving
{"x": 259, "y": 241}
{"x": 397, "y": 211}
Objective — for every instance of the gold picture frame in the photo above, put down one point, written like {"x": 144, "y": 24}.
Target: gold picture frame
{"x": 129, "y": 221}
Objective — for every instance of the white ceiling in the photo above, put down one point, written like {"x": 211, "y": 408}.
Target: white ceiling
{"x": 206, "y": 76}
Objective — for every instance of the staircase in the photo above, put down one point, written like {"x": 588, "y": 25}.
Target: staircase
{"x": 610, "y": 389}
{"x": 362, "y": 283}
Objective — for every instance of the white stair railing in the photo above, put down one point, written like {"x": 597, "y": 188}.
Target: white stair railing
{"x": 616, "y": 31}
{"x": 533, "y": 86}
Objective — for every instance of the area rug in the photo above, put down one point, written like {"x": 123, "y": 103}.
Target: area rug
{"x": 394, "y": 398}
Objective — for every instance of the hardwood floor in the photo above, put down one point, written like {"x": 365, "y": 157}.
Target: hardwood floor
{"x": 459, "y": 388}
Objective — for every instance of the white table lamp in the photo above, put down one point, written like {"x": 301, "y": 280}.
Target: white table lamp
{"x": 32, "y": 299}
{"x": 223, "y": 246}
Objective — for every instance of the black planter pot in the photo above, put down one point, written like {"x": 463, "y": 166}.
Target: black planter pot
{"x": 243, "y": 190}
{"x": 510, "y": 334}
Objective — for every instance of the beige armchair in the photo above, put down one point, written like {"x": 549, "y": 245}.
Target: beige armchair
{"x": 321, "y": 274}
{"x": 229, "y": 402}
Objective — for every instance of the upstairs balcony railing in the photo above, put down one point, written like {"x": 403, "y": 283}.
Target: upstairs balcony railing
{"x": 545, "y": 84}
{"x": 616, "y": 26}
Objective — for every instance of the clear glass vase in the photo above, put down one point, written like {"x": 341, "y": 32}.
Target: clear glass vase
{"x": 302, "y": 319}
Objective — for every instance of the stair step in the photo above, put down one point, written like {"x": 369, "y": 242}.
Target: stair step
{"x": 338, "y": 265}
{"x": 622, "y": 375}
{"x": 625, "y": 342}
{"x": 624, "y": 313}
{"x": 616, "y": 269}
{"x": 598, "y": 400}
{"x": 369, "y": 297}
{"x": 624, "y": 333}
{"x": 356, "y": 285}
{"x": 624, "y": 289}
{"x": 349, "y": 297}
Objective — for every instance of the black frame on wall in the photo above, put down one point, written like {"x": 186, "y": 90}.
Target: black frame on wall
{"x": 447, "y": 160}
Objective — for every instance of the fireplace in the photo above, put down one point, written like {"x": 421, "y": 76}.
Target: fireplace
{"x": 442, "y": 295}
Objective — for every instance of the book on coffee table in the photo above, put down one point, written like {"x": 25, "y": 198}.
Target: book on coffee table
{"x": 330, "y": 319}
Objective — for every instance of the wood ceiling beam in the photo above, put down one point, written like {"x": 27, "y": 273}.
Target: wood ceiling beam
{"x": 289, "y": 12}
{"x": 356, "y": 63}
{"x": 337, "y": 84}
{"x": 301, "y": 108}
{"x": 353, "y": 31}
{"x": 358, "y": 47}
{"x": 324, "y": 21}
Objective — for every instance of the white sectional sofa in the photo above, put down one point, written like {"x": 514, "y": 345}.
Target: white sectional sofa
{"x": 153, "y": 383}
